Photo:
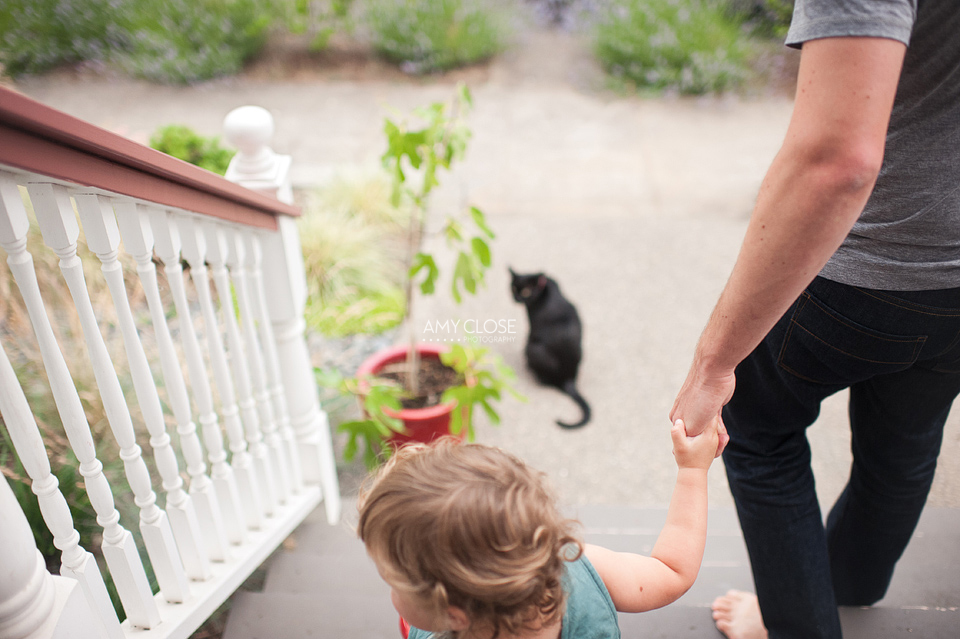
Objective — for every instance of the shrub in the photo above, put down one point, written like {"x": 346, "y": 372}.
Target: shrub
{"x": 174, "y": 41}
{"x": 182, "y": 142}
{"x": 36, "y": 35}
{"x": 320, "y": 18}
{"x": 693, "y": 46}
{"x": 351, "y": 235}
{"x": 767, "y": 18}
{"x": 433, "y": 35}
{"x": 183, "y": 41}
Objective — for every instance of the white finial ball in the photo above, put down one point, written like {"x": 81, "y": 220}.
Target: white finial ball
{"x": 249, "y": 129}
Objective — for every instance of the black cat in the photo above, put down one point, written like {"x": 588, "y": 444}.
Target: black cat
{"x": 553, "y": 348}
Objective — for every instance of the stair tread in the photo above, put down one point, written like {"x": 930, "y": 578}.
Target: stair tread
{"x": 312, "y": 573}
{"x": 263, "y": 615}
{"x": 325, "y": 574}
{"x": 695, "y": 622}
{"x": 306, "y": 616}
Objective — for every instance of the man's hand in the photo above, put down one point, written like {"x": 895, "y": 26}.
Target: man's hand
{"x": 700, "y": 401}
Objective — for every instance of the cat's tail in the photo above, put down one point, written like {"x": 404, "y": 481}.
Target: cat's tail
{"x": 570, "y": 388}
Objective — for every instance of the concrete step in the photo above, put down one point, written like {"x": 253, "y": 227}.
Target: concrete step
{"x": 689, "y": 622}
{"x": 321, "y": 615}
{"x": 320, "y": 538}
{"x": 304, "y": 573}
{"x": 324, "y": 585}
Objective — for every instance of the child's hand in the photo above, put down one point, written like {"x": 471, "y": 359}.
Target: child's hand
{"x": 695, "y": 452}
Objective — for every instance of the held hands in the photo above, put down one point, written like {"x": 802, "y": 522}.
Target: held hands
{"x": 698, "y": 451}
{"x": 700, "y": 401}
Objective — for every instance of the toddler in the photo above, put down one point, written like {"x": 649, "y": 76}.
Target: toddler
{"x": 473, "y": 546}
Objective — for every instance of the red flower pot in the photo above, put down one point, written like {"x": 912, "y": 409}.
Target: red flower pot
{"x": 423, "y": 425}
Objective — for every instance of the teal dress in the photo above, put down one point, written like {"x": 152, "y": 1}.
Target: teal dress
{"x": 590, "y": 613}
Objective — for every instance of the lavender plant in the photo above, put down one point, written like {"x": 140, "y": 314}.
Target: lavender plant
{"x": 691, "y": 46}
{"x": 37, "y": 35}
{"x": 184, "y": 41}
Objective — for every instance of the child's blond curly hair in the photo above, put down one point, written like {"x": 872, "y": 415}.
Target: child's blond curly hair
{"x": 470, "y": 526}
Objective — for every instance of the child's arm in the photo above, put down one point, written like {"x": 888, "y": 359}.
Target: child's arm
{"x": 638, "y": 583}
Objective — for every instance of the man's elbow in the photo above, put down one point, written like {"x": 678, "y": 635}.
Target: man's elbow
{"x": 857, "y": 169}
{"x": 843, "y": 172}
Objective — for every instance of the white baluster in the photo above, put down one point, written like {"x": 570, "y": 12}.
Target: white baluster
{"x": 167, "y": 239}
{"x": 119, "y": 548}
{"x": 138, "y": 242}
{"x": 286, "y": 294}
{"x": 75, "y": 562}
{"x": 257, "y": 167}
{"x": 237, "y": 263}
{"x": 249, "y": 484}
{"x": 103, "y": 238}
{"x": 218, "y": 252}
{"x": 288, "y": 443}
{"x": 58, "y": 224}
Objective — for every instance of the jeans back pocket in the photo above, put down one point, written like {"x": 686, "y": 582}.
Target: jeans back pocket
{"x": 824, "y": 347}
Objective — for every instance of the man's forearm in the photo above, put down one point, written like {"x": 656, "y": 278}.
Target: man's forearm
{"x": 810, "y": 198}
{"x": 802, "y": 215}
{"x": 812, "y": 194}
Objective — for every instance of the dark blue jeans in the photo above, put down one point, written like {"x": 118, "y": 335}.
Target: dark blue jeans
{"x": 899, "y": 354}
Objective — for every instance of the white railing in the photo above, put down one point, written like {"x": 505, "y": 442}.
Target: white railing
{"x": 244, "y": 493}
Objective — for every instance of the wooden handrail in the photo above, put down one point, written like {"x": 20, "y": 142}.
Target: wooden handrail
{"x": 39, "y": 139}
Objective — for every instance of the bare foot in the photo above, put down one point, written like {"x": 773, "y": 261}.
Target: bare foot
{"x": 737, "y": 615}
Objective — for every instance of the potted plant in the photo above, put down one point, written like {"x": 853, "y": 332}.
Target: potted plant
{"x": 416, "y": 391}
{"x": 482, "y": 378}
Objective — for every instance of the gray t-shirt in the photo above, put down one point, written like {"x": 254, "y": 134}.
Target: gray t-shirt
{"x": 908, "y": 236}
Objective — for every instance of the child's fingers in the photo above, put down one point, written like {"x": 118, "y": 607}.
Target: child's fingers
{"x": 723, "y": 438}
{"x": 678, "y": 433}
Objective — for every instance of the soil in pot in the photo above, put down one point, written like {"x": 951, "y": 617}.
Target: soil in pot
{"x": 433, "y": 376}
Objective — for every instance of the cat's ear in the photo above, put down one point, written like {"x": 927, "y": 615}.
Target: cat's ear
{"x": 542, "y": 281}
{"x": 512, "y": 273}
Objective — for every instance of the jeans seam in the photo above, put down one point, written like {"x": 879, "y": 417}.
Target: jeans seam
{"x": 942, "y": 368}
{"x": 917, "y": 345}
{"x": 914, "y": 308}
{"x": 804, "y": 298}
{"x": 799, "y": 376}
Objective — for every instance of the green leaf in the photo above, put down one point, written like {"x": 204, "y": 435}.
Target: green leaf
{"x": 412, "y": 142}
{"x": 491, "y": 413}
{"x": 481, "y": 221}
{"x": 465, "y": 96}
{"x": 370, "y": 457}
{"x": 463, "y": 276}
{"x": 429, "y": 178}
{"x": 453, "y": 232}
{"x": 425, "y": 261}
{"x": 328, "y": 377}
{"x": 482, "y": 251}
{"x": 350, "y": 450}
{"x": 456, "y": 358}
{"x": 460, "y": 394}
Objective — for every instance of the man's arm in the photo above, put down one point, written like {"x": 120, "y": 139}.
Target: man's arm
{"x": 812, "y": 194}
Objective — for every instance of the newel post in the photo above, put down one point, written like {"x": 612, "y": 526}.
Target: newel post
{"x": 257, "y": 167}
